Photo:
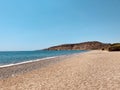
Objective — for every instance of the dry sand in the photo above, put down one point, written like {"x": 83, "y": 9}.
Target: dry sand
{"x": 94, "y": 70}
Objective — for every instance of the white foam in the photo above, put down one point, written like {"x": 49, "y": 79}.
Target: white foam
{"x": 25, "y": 62}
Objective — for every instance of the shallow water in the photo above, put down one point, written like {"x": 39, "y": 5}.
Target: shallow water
{"x": 13, "y": 57}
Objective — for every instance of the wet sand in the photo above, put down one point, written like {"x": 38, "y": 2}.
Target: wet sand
{"x": 94, "y": 70}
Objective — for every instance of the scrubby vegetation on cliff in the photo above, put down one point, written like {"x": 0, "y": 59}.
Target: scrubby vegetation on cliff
{"x": 115, "y": 47}
{"x": 94, "y": 45}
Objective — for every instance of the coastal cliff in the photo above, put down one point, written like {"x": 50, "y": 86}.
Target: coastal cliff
{"x": 94, "y": 45}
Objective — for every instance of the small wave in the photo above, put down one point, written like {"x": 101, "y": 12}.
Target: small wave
{"x": 25, "y": 62}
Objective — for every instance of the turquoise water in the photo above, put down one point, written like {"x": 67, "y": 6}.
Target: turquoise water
{"x": 13, "y": 57}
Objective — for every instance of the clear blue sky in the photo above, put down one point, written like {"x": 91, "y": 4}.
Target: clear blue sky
{"x": 37, "y": 24}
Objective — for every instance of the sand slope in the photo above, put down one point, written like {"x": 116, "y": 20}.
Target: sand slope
{"x": 94, "y": 70}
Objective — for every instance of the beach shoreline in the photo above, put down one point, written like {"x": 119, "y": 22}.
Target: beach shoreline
{"x": 27, "y": 66}
{"x": 93, "y": 70}
{"x": 36, "y": 60}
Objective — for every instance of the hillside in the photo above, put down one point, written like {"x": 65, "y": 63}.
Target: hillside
{"x": 115, "y": 47}
{"x": 94, "y": 45}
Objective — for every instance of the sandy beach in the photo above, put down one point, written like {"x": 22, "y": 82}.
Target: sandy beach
{"x": 94, "y": 70}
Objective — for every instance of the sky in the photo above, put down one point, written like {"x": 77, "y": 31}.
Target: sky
{"x": 38, "y": 24}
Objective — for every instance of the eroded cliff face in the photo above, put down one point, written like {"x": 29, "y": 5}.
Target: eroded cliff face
{"x": 94, "y": 45}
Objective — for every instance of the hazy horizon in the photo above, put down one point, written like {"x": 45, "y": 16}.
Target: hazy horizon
{"x": 33, "y": 25}
{"x": 57, "y": 45}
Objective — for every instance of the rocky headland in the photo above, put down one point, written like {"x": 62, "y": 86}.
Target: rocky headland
{"x": 93, "y": 45}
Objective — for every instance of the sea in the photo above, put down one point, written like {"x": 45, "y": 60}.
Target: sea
{"x": 15, "y": 57}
